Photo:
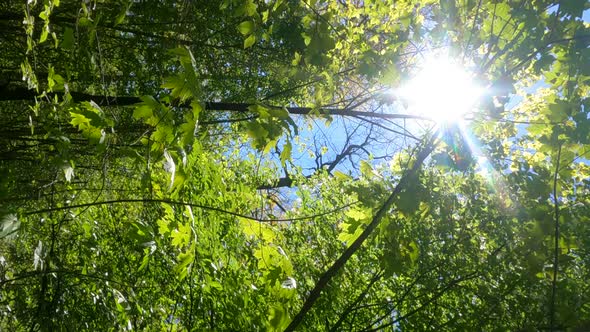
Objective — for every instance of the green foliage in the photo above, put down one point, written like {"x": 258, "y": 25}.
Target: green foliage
{"x": 90, "y": 119}
{"x": 131, "y": 200}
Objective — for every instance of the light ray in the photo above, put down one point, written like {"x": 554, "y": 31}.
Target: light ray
{"x": 485, "y": 169}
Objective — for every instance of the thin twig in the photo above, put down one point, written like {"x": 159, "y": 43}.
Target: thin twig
{"x": 200, "y": 206}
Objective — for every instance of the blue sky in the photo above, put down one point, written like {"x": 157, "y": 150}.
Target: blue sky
{"x": 333, "y": 136}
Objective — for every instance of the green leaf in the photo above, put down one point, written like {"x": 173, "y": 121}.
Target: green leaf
{"x": 89, "y": 122}
{"x": 411, "y": 251}
{"x": 408, "y": 200}
{"x": 163, "y": 227}
{"x": 296, "y": 59}
{"x": 180, "y": 87}
{"x": 122, "y": 15}
{"x": 538, "y": 129}
{"x": 188, "y": 129}
{"x": 366, "y": 169}
{"x": 44, "y": 34}
{"x": 214, "y": 285}
{"x": 164, "y": 134}
{"x": 182, "y": 53}
{"x": 257, "y": 230}
{"x": 84, "y": 22}
{"x": 258, "y": 133}
{"x": 278, "y": 318}
{"x": 181, "y": 236}
{"x": 248, "y": 42}
{"x": 148, "y": 111}
{"x": 142, "y": 112}
{"x": 306, "y": 38}
{"x": 357, "y": 214}
{"x": 145, "y": 260}
{"x": 286, "y": 153}
{"x": 350, "y": 231}
{"x": 246, "y": 28}
{"x": 341, "y": 176}
{"x": 250, "y": 8}
{"x": 558, "y": 111}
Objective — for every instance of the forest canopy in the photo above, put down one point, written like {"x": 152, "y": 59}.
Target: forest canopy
{"x": 341, "y": 165}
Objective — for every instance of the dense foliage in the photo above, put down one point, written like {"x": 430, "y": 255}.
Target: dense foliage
{"x": 240, "y": 165}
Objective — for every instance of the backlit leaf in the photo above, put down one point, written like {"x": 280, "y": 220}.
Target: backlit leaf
{"x": 248, "y": 42}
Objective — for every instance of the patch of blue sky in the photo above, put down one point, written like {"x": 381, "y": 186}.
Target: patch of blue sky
{"x": 319, "y": 142}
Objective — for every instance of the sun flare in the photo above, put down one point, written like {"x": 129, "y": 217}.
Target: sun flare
{"x": 442, "y": 90}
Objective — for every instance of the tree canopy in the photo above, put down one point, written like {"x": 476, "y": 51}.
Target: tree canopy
{"x": 249, "y": 165}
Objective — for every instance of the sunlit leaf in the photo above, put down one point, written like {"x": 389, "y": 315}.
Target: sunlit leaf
{"x": 246, "y": 28}
{"x": 248, "y": 42}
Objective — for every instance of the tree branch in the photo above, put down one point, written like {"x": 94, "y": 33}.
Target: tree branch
{"x": 287, "y": 181}
{"x": 355, "y": 246}
{"x": 200, "y": 206}
{"x": 8, "y": 93}
{"x": 435, "y": 297}
{"x": 359, "y": 298}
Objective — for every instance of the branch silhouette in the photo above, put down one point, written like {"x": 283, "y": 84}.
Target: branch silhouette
{"x": 355, "y": 246}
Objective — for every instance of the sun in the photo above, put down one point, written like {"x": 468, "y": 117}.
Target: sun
{"x": 442, "y": 90}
